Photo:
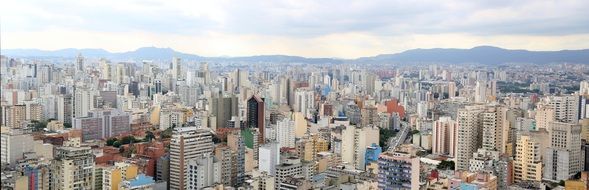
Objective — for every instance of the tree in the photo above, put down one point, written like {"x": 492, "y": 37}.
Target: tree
{"x": 149, "y": 136}
{"x": 67, "y": 125}
{"x": 446, "y": 165}
{"x": 166, "y": 133}
{"x": 116, "y": 144}
{"x": 128, "y": 140}
{"x": 110, "y": 141}
{"x": 384, "y": 135}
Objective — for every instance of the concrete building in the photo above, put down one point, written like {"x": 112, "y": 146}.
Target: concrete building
{"x": 103, "y": 124}
{"x": 224, "y": 107}
{"x": 290, "y": 167}
{"x": 304, "y": 101}
{"x": 562, "y": 159}
{"x": 469, "y": 134}
{"x": 14, "y": 145}
{"x": 203, "y": 171}
{"x": 285, "y": 133}
{"x": 269, "y": 158}
{"x": 398, "y": 170}
{"x": 354, "y": 142}
{"x": 187, "y": 143}
{"x": 566, "y": 108}
{"x": 528, "y": 156}
{"x": 13, "y": 116}
{"x": 72, "y": 168}
{"x": 444, "y": 139}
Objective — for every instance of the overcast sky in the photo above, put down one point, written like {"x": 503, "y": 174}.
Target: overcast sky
{"x": 321, "y": 28}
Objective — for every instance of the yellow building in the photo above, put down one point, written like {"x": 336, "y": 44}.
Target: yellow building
{"x": 528, "y": 164}
{"x": 575, "y": 185}
{"x": 113, "y": 176}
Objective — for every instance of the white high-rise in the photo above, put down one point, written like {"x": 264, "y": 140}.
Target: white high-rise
{"x": 285, "y": 133}
{"x": 304, "y": 101}
{"x": 269, "y": 157}
{"x": 354, "y": 142}
{"x": 202, "y": 171}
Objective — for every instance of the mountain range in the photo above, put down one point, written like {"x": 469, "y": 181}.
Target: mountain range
{"x": 481, "y": 54}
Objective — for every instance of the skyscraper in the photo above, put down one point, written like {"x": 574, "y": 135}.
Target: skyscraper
{"x": 256, "y": 117}
{"x": 72, "y": 168}
{"x": 444, "y": 136}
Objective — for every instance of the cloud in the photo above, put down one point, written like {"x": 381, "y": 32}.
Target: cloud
{"x": 300, "y": 27}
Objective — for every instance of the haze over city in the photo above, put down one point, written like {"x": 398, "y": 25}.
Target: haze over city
{"x": 343, "y": 29}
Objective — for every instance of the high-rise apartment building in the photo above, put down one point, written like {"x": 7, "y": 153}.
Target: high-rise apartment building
{"x": 444, "y": 136}
{"x": 354, "y": 142}
{"x": 72, "y": 168}
{"x": 528, "y": 156}
{"x": 469, "y": 134}
{"x": 398, "y": 170}
{"x": 269, "y": 157}
{"x": 285, "y": 133}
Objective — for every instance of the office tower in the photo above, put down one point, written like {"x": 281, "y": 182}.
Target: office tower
{"x": 237, "y": 145}
{"x": 354, "y": 142}
{"x": 562, "y": 159}
{"x": 566, "y": 108}
{"x": 224, "y": 107}
{"x": 304, "y": 101}
{"x": 72, "y": 168}
{"x": 469, "y": 134}
{"x": 528, "y": 156}
{"x": 14, "y": 145}
{"x": 187, "y": 143}
{"x": 80, "y": 63}
{"x": 285, "y": 133}
{"x": 256, "y": 117}
{"x": 444, "y": 136}
{"x": 202, "y": 172}
{"x": 13, "y": 116}
{"x": 398, "y": 170}
{"x": 269, "y": 157}
{"x": 103, "y": 124}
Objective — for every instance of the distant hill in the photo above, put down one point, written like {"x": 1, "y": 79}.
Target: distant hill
{"x": 481, "y": 54}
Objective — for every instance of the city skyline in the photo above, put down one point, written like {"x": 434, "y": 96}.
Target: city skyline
{"x": 303, "y": 28}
